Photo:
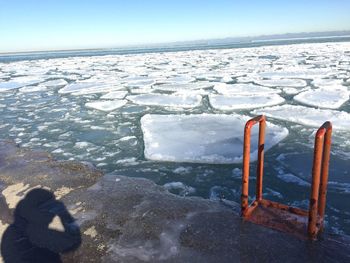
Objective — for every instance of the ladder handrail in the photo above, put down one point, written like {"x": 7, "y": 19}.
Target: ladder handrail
{"x": 320, "y": 171}
{"x": 246, "y": 160}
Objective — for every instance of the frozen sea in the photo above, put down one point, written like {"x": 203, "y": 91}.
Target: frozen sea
{"x": 177, "y": 117}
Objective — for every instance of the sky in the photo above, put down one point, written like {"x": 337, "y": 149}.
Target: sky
{"x": 29, "y": 25}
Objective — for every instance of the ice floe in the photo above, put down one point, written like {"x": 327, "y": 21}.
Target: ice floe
{"x": 326, "y": 82}
{"x": 291, "y": 178}
{"x": 55, "y": 83}
{"x": 308, "y": 116}
{"x": 185, "y": 86}
{"x": 84, "y": 87}
{"x": 5, "y": 86}
{"x": 180, "y": 79}
{"x": 332, "y": 97}
{"x": 222, "y": 102}
{"x": 202, "y": 138}
{"x": 296, "y": 83}
{"x": 115, "y": 95}
{"x": 293, "y": 91}
{"x": 108, "y": 105}
{"x": 33, "y": 88}
{"x": 243, "y": 89}
{"x": 18, "y": 82}
{"x": 176, "y": 101}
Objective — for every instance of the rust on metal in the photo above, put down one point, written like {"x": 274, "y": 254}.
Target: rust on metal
{"x": 296, "y": 221}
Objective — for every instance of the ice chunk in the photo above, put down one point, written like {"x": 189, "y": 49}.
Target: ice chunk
{"x": 18, "y": 83}
{"x": 177, "y": 101}
{"x": 184, "y": 87}
{"x": 55, "y": 83}
{"x": 291, "y": 178}
{"x": 140, "y": 83}
{"x": 308, "y": 116}
{"x": 115, "y": 95}
{"x": 296, "y": 83}
{"x": 4, "y": 86}
{"x": 84, "y": 86}
{"x": 326, "y": 82}
{"x": 193, "y": 92}
{"x": 183, "y": 79}
{"x": 90, "y": 87}
{"x": 202, "y": 138}
{"x": 243, "y": 89}
{"x": 33, "y": 88}
{"x": 331, "y": 98}
{"x": 292, "y": 91}
{"x": 108, "y": 105}
{"x": 222, "y": 102}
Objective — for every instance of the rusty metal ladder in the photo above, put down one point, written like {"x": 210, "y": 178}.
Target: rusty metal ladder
{"x": 301, "y": 223}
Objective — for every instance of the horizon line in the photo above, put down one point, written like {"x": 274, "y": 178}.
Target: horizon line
{"x": 236, "y": 39}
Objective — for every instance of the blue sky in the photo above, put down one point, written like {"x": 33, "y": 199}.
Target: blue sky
{"x": 72, "y": 24}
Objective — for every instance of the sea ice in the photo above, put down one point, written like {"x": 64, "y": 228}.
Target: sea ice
{"x": 331, "y": 97}
{"x": 108, "y": 105}
{"x": 291, "y": 178}
{"x": 308, "y": 116}
{"x": 296, "y": 83}
{"x": 18, "y": 82}
{"x": 140, "y": 83}
{"x": 5, "y": 86}
{"x": 243, "y": 89}
{"x": 326, "y": 82}
{"x": 184, "y": 87}
{"x": 88, "y": 87}
{"x": 184, "y": 101}
{"x": 202, "y": 138}
{"x": 120, "y": 94}
{"x": 293, "y": 91}
{"x": 222, "y": 102}
{"x": 33, "y": 88}
{"x": 180, "y": 79}
{"x": 55, "y": 83}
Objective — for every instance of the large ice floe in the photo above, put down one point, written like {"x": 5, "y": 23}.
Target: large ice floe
{"x": 243, "y": 89}
{"x": 19, "y": 82}
{"x": 222, "y": 102}
{"x": 184, "y": 87}
{"x": 308, "y": 116}
{"x": 120, "y": 94}
{"x": 296, "y": 83}
{"x": 331, "y": 97}
{"x": 175, "y": 101}
{"x": 202, "y": 138}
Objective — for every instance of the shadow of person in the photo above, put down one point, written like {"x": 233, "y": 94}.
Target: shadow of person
{"x": 29, "y": 238}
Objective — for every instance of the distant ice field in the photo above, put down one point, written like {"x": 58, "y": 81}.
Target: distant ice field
{"x": 177, "y": 118}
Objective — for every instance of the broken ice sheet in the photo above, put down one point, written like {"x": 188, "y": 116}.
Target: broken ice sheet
{"x": 184, "y": 87}
{"x": 222, "y": 102}
{"x": 332, "y": 97}
{"x": 55, "y": 83}
{"x": 18, "y": 82}
{"x": 243, "y": 89}
{"x": 296, "y": 83}
{"x": 120, "y": 94}
{"x": 202, "y": 138}
{"x": 307, "y": 116}
{"x": 176, "y": 101}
